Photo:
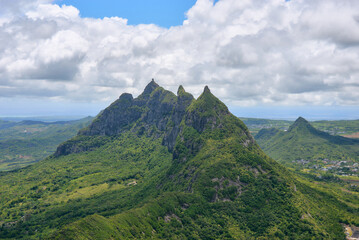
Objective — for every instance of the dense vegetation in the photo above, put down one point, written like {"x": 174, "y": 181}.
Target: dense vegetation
{"x": 56, "y": 191}
{"x": 303, "y": 146}
{"x": 342, "y": 127}
{"x": 26, "y": 142}
{"x": 169, "y": 167}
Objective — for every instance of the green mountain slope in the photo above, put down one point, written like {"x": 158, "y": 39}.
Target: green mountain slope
{"x": 303, "y": 141}
{"x": 163, "y": 166}
{"x": 26, "y": 142}
{"x": 333, "y": 127}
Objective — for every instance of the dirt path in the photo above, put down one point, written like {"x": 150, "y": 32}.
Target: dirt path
{"x": 354, "y": 135}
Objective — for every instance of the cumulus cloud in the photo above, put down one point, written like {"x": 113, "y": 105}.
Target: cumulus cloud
{"x": 249, "y": 52}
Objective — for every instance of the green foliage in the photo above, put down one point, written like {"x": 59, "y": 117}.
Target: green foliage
{"x": 25, "y": 143}
{"x": 302, "y": 141}
{"x": 207, "y": 105}
{"x": 339, "y": 127}
{"x": 52, "y": 192}
{"x": 167, "y": 96}
{"x": 216, "y": 184}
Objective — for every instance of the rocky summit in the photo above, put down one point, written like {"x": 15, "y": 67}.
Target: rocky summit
{"x": 166, "y": 166}
{"x": 159, "y": 108}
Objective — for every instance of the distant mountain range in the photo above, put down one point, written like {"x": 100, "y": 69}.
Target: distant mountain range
{"x": 166, "y": 166}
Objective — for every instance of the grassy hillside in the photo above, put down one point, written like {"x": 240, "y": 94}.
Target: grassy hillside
{"x": 303, "y": 146}
{"x": 59, "y": 190}
{"x": 169, "y": 167}
{"x": 26, "y": 142}
{"x": 226, "y": 190}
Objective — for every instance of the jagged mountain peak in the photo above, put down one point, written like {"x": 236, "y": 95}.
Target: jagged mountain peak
{"x": 180, "y": 90}
{"x": 184, "y": 96}
{"x": 206, "y": 89}
{"x": 207, "y": 94}
{"x": 126, "y": 96}
{"x": 156, "y": 112}
{"x": 150, "y": 87}
{"x": 209, "y": 103}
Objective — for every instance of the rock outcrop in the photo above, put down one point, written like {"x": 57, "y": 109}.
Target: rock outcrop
{"x": 155, "y": 112}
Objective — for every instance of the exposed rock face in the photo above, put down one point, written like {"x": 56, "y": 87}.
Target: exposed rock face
{"x": 149, "y": 89}
{"x": 80, "y": 144}
{"x": 183, "y": 101}
{"x": 205, "y": 113}
{"x": 115, "y": 118}
{"x": 153, "y": 107}
{"x": 156, "y": 112}
{"x": 159, "y": 108}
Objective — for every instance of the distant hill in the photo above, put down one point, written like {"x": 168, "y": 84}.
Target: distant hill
{"x": 303, "y": 141}
{"x": 166, "y": 166}
{"x": 26, "y": 142}
{"x": 333, "y": 127}
{"x": 6, "y": 124}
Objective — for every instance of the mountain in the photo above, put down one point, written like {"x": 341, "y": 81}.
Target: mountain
{"x": 345, "y": 128}
{"x": 303, "y": 141}
{"x": 26, "y": 142}
{"x": 167, "y": 166}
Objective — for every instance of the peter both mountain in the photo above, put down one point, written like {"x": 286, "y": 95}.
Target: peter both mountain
{"x": 162, "y": 166}
{"x": 303, "y": 141}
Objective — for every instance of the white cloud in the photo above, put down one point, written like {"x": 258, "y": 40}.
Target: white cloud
{"x": 249, "y": 52}
{"x": 65, "y": 44}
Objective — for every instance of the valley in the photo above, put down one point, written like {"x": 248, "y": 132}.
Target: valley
{"x": 26, "y": 142}
{"x": 169, "y": 166}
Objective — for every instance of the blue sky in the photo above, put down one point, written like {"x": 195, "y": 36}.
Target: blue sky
{"x": 165, "y": 13}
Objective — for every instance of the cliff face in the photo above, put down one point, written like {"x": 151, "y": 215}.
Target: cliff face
{"x": 212, "y": 161}
{"x": 155, "y": 112}
{"x": 166, "y": 166}
{"x": 152, "y": 107}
